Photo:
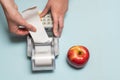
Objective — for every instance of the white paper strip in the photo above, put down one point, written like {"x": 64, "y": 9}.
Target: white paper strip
{"x": 32, "y": 17}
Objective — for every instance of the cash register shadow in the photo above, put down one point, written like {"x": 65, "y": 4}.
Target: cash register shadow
{"x": 44, "y": 71}
{"x": 15, "y": 39}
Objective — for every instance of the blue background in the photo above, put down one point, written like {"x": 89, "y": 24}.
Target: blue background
{"x": 92, "y": 23}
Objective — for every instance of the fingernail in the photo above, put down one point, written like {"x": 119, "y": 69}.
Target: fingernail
{"x": 33, "y": 29}
{"x": 56, "y": 34}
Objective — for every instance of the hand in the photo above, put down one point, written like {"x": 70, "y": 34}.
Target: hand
{"x": 58, "y": 9}
{"x": 14, "y": 18}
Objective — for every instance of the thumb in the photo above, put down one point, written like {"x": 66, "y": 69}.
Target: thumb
{"x": 28, "y": 26}
{"x": 22, "y": 22}
{"x": 45, "y": 11}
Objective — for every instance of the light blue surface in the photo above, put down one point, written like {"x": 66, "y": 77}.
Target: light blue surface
{"x": 92, "y": 23}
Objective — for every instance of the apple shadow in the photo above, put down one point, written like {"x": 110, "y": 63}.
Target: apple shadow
{"x": 73, "y": 66}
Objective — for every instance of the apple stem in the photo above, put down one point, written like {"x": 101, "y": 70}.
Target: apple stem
{"x": 80, "y": 53}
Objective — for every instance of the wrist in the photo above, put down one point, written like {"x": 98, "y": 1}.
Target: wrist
{"x": 8, "y": 5}
{"x": 4, "y": 4}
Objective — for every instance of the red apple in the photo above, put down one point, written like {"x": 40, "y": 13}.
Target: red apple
{"x": 78, "y": 56}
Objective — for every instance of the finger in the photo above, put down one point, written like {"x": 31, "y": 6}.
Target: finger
{"x": 22, "y": 32}
{"x": 17, "y": 31}
{"x": 22, "y": 22}
{"x": 45, "y": 11}
{"x": 55, "y": 26}
{"x": 28, "y": 26}
{"x": 61, "y": 25}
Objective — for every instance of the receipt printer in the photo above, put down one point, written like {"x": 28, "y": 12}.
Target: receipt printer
{"x": 42, "y": 45}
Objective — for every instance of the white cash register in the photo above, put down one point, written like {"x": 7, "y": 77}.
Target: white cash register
{"x": 42, "y": 45}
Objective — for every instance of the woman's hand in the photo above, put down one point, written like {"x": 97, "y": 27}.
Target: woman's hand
{"x": 14, "y": 18}
{"x": 58, "y": 9}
